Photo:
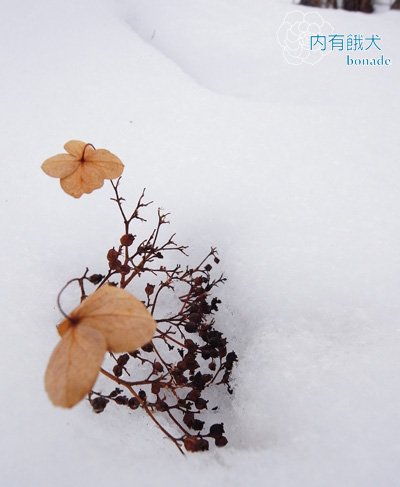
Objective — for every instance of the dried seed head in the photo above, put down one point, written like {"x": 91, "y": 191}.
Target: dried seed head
{"x": 221, "y": 441}
{"x": 217, "y": 429}
{"x": 195, "y": 444}
{"x": 127, "y": 239}
{"x": 99, "y": 404}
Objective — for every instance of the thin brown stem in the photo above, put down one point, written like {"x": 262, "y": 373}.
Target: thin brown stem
{"x": 143, "y": 405}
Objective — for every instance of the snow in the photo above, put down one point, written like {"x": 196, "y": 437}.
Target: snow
{"x": 291, "y": 171}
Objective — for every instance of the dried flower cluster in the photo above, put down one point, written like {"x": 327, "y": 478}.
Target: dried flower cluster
{"x": 173, "y": 351}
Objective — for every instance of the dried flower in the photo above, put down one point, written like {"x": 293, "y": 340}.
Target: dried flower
{"x": 163, "y": 373}
{"x": 110, "y": 319}
{"x": 84, "y": 168}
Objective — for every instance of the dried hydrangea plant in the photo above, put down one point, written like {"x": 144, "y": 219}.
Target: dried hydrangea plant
{"x": 165, "y": 355}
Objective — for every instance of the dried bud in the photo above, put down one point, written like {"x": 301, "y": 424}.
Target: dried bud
{"x": 112, "y": 255}
{"x": 149, "y": 289}
{"x": 115, "y": 392}
{"x": 161, "y": 405}
{"x": 182, "y": 365}
{"x": 124, "y": 269}
{"x": 148, "y": 347}
{"x": 197, "y": 425}
{"x": 127, "y": 239}
{"x": 188, "y": 419}
{"x": 133, "y": 403}
{"x": 194, "y": 444}
{"x": 115, "y": 264}
{"x": 205, "y": 353}
{"x": 198, "y": 281}
{"x": 96, "y": 278}
{"x": 221, "y": 441}
{"x": 191, "y": 327}
{"x": 193, "y": 395}
{"x": 99, "y": 404}
{"x": 123, "y": 359}
{"x": 122, "y": 400}
{"x": 191, "y": 443}
{"x": 157, "y": 367}
{"x": 201, "y": 403}
{"x": 203, "y": 444}
{"x": 231, "y": 358}
{"x": 217, "y": 429}
{"x": 191, "y": 346}
{"x": 195, "y": 317}
{"x": 117, "y": 369}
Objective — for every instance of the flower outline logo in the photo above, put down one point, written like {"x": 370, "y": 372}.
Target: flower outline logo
{"x": 294, "y": 36}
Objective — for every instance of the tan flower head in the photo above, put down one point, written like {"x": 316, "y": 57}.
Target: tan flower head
{"x": 109, "y": 319}
{"x": 83, "y": 169}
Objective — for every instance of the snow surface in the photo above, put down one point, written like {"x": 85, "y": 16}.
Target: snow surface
{"x": 292, "y": 171}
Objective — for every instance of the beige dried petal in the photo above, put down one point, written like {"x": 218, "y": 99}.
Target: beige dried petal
{"x": 82, "y": 181}
{"x": 64, "y": 326}
{"x": 60, "y": 166}
{"x": 76, "y": 148}
{"x": 74, "y": 365}
{"x": 109, "y": 164}
{"x": 124, "y": 321}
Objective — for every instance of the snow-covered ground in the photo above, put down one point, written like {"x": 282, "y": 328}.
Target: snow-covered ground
{"x": 292, "y": 171}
